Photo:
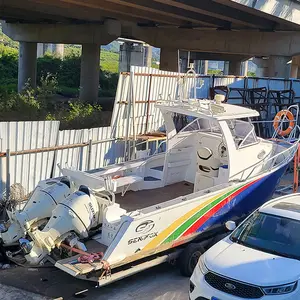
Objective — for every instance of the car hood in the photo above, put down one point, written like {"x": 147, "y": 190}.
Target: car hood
{"x": 249, "y": 265}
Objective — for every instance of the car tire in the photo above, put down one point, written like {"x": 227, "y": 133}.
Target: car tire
{"x": 188, "y": 259}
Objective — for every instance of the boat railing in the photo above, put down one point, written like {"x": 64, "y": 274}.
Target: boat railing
{"x": 189, "y": 104}
{"x": 266, "y": 164}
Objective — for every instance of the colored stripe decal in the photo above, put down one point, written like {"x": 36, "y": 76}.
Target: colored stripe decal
{"x": 196, "y": 216}
{"x": 165, "y": 233}
{"x": 194, "y": 219}
{"x": 209, "y": 214}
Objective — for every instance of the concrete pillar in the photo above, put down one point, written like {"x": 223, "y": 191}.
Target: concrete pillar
{"x": 183, "y": 65}
{"x": 40, "y": 50}
{"x": 226, "y": 68}
{"x": 197, "y": 66}
{"x": 148, "y": 54}
{"x": 27, "y": 65}
{"x": 245, "y": 65}
{"x": 131, "y": 55}
{"x": 279, "y": 66}
{"x": 261, "y": 67}
{"x": 48, "y": 48}
{"x": 89, "y": 74}
{"x": 235, "y": 68}
{"x": 58, "y": 50}
{"x": 205, "y": 65}
{"x": 294, "y": 71}
{"x": 169, "y": 59}
{"x": 55, "y": 49}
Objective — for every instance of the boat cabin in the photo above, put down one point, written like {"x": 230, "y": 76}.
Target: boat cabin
{"x": 218, "y": 145}
{"x": 215, "y": 147}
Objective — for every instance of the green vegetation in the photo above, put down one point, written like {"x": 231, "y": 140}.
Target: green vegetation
{"x": 58, "y": 80}
{"x": 215, "y": 72}
{"x": 109, "y": 61}
{"x": 42, "y": 104}
{"x": 251, "y": 74}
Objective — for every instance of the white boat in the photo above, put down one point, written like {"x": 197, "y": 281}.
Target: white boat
{"x": 213, "y": 170}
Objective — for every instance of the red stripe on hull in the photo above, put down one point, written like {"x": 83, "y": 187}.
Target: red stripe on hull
{"x": 210, "y": 213}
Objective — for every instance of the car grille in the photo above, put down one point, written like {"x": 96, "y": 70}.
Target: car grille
{"x": 233, "y": 287}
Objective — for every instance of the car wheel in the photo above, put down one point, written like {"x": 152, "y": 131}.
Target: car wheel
{"x": 188, "y": 259}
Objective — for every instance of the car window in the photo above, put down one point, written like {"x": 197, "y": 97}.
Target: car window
{"x": 270, "y": 233}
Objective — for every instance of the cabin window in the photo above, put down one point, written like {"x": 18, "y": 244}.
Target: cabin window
{"x": 200, "y": 124}
{"x": 181, "y": 121}
{"x": 243, "y": 133}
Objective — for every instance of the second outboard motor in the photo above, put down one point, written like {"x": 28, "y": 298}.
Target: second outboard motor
{"x": 40, "y": 205}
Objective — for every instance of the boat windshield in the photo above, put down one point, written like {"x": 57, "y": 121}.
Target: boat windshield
{"x": 199, "y": 124}
{"x": 269, "y": 233}
{"x": 243, "y": 132}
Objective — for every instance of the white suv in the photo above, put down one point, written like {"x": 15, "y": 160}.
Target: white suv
{"x": 260, "y": 259}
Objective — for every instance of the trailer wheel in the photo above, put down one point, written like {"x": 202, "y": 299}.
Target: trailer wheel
{"x": 188, "y": 259}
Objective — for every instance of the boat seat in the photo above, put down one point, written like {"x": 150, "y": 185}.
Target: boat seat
{"x": 125, "y": 182}
{"x": 204, "y": 153}
{"x": 209, "y": 167}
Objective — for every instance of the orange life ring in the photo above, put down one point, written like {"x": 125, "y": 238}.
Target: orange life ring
{"x": 116, "y": 176}
{"x": 284, "y": 114}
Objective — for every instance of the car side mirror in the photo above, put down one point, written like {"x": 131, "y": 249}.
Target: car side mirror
{"x": 230, "y": 225}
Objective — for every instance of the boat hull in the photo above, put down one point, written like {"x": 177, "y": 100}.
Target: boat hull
{"x": 168, "y": 228}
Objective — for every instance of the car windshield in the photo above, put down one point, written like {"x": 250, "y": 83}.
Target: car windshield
{"x": 270, "y": 233}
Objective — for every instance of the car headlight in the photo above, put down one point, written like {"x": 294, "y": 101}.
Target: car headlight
{"x": 280, "y": 289}
{"x": 202, "y": 265}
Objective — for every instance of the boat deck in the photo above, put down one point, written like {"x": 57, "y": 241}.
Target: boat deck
{"x": 141, "y": 199}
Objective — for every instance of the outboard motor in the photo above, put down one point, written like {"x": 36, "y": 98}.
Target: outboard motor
{"x": 78, "y": 213}
{"x": 39, "y": 207}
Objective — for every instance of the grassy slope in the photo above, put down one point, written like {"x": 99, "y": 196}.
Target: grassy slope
{"x": 109, "y": 61}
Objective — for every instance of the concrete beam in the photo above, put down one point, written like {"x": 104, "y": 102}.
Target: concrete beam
{"x": 213, "y": 56}
{"x": 254, "y": 43}
{"x": 62, "y": 12}
{"x": 220, "y": 11}
{"x": 286, "y": 10}
{"x": 112, "y": 10}
{"x": 64, "y": 34}
{"x": 89, "y": 74}
{"x": 27, "y": 65}
{"x": 171, "y": 11}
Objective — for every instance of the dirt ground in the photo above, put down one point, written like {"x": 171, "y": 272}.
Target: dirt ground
{"x": 159, "y": 283}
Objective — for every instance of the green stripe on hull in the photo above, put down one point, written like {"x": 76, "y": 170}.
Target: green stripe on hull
{"x": 173, "y": 236}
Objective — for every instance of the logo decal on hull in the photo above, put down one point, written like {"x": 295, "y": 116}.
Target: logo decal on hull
{"x": 145, "y": 227}
{"x": 142, "y": 238}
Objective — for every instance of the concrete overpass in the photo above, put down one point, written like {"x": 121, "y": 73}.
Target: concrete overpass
{"x": 231, "y": 28}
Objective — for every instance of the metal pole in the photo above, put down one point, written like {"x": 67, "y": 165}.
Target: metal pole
{"x": 81, "y": 158}
{"x": 127, "y": 121}
{"x": 133, "y": 117}
{"x": 148, "y": 104}
{"x": 296, "y": 171}
{"x": 89, "y": 154}
{"x": 7, "y": 174}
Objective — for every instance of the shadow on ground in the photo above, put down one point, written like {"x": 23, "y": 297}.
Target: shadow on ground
{"x": 160, "y": 283}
